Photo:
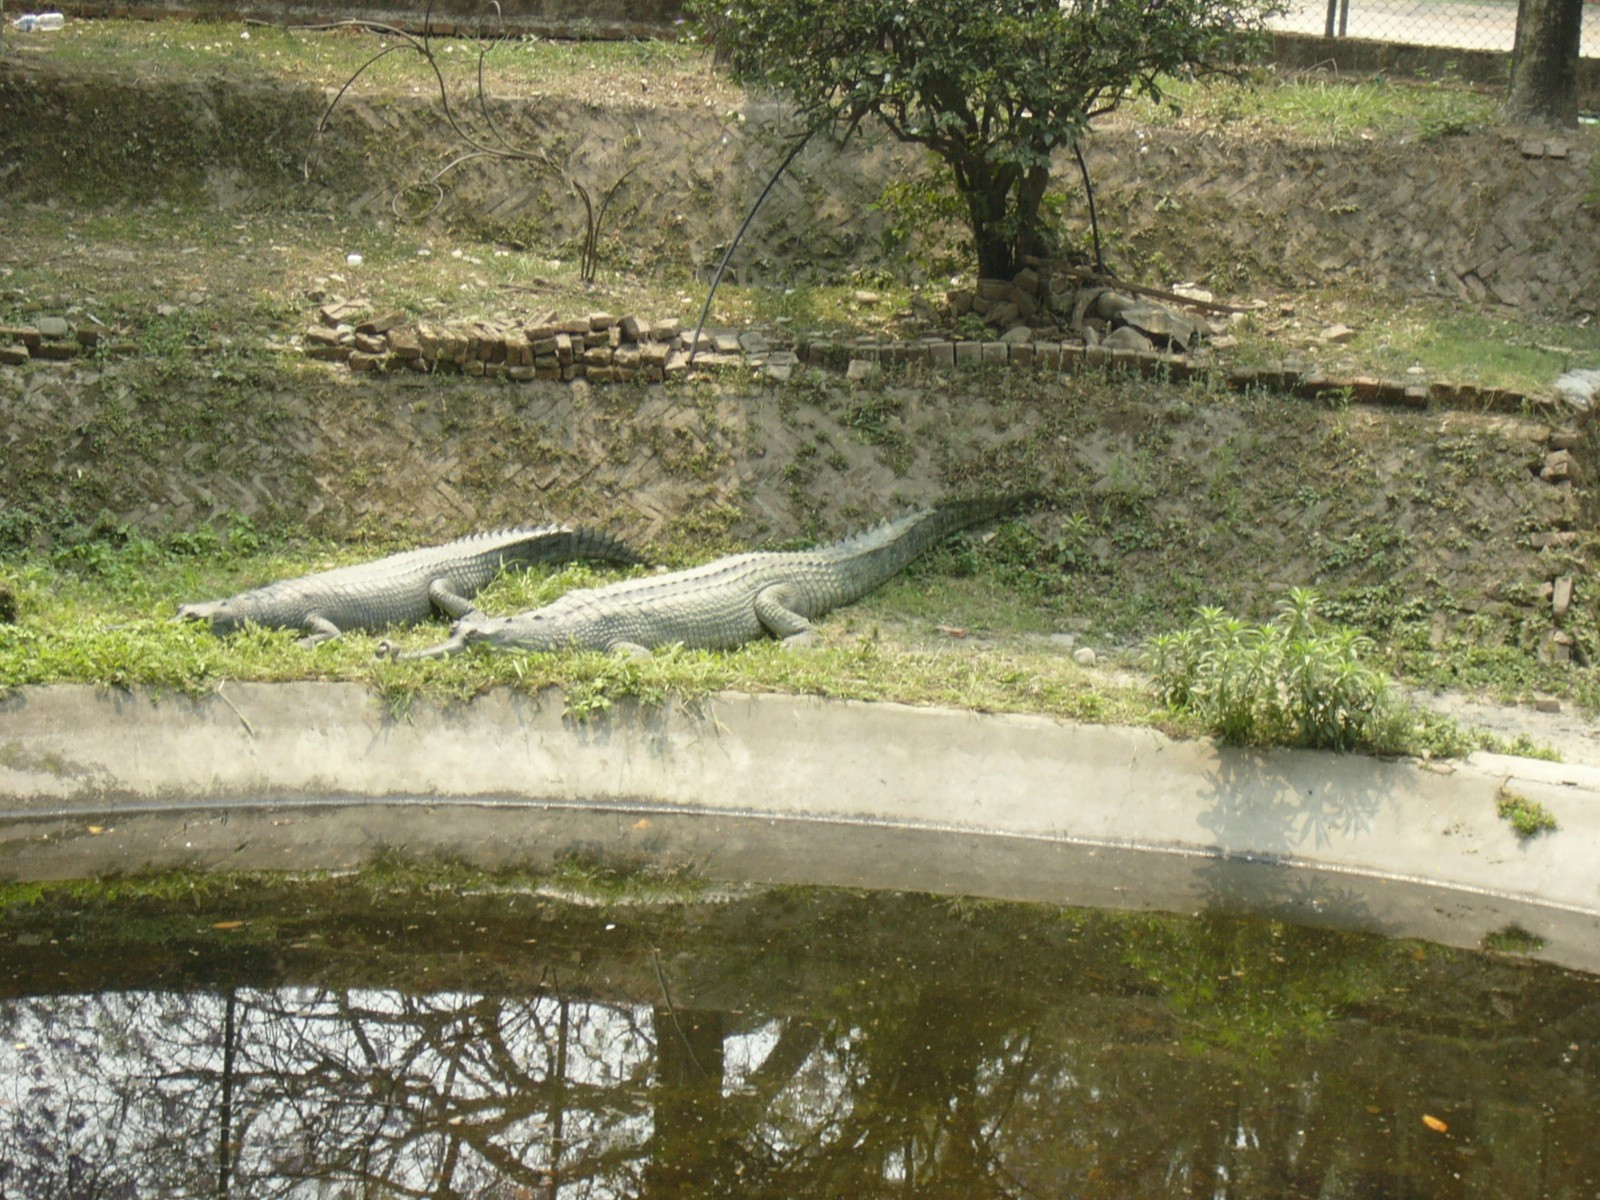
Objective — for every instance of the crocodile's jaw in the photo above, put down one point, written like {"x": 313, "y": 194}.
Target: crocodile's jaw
{"x": 498, "y": 633}
{"x": 218, "y": 613}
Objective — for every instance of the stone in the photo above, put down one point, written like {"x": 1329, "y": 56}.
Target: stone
{"x": 861, "y": 370}
{"x": 1547, "y": 538}
{"x": 665, "y": 331}
{"x": 56, "y": 350}
{"x": 336, "y": 312}
{"x": 959, "y": 302}
{"x": 968, "y": 353}
{"x": 993, "y": 290}
{"x": 1337, "y": 335}
{"x": 323, "y": 335}
{"x": 13, "y": 356}
{"x": 361, "y": 361}
{"x": 564, "y": 350}
{"x": 995, "y": 352}
{"x": 752, "y": 342}
{"x": 1561, "y": 598}
{"x": 404, "y": 344}
{"x": 1557, "y": 466}
{"x": 942, "y": 354}
{"x": 1579, "y": 388}
{"x": 725, "y": 343}
{"x": 53, "y": 327}
{"x": 388, "y": 321}
{"x": 597, "y": 356}
{"x": 1565, "y": 438}
{"x": 26, "y": 334}
{"x": 1126, "y": 337}
{"x": 1002, "y": 315}
{"x": 1160, "y": 324}
{"x": 1084, "y": 656}
{"x": 1108, "y": 305}
{"x": 1026, "y": 281}
{"x": 634, "y": 330}
{"x": 867, "y": 299}
{"x": 522, "y": 373}
{"x": 1547, "y": 704}
{"x": 370, "y": 343}
{"x": 599, "y": 321}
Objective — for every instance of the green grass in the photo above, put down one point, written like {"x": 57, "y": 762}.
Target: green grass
{"x": 201, "y": 50}
{"x": 1323, "y": 110}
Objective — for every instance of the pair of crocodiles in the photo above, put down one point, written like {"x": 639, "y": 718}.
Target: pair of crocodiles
{"x": 716, "y": 606}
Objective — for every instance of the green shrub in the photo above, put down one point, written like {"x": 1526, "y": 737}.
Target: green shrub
{"x": 1292, "y": 681}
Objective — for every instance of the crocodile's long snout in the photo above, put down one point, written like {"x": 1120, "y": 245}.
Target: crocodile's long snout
{"x": 455, "y": 644}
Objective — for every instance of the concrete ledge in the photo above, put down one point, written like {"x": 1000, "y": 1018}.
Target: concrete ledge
{"x": 317, "y": 775}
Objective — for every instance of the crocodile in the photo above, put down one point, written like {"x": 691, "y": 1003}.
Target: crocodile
{"x": 726, "y": 602}
{"x": 403, "y": 587}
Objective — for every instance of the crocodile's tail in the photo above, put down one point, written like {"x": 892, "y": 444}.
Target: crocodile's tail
{"x": 565, "y": 543}
{"x": 877, "y": 555}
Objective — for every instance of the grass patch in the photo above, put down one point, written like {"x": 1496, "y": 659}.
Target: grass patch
{"x": 1525, "y": 815}
{"x": 1323, "y": 110}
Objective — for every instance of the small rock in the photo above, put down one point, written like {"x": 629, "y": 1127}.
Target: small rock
{"x": 53, "y": 327}
{"x": 1084, "y": 656}
{"x": 1126, "y": 337}
{"x": 1547, "y": 705}
{"x": 1017, "y": 335}
{"x": 1579, "y": 388}
{"x": 1337, "y": 335}
{"x": 860, "y": 370}
{"x": 1557, "y": 466}
{"x": 1561, "y": 598}
{"x": 375, "y": 325}
{"x": 867, "y": 299}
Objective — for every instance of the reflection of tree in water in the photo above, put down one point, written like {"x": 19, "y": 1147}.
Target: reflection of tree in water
{"x": 871, "y": 1048}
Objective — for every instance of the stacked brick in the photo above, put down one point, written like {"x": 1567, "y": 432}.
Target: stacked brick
{"x": 599, "y": 347}
{"x": 48, "y": 338}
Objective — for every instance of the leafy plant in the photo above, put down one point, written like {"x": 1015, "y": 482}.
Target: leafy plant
{"x": 1527, "y": 816}
{"x": 1290, "y": 681}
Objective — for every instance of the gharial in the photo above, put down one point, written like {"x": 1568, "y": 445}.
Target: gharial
{"x": 725, "y": 602}
{"x": 403, "y": 587}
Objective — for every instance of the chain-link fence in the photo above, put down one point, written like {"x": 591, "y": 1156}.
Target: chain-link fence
{"x": 1484, "y": 25}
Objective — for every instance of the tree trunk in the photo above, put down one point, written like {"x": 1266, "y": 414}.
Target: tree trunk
{"x": 1544, "y": 63}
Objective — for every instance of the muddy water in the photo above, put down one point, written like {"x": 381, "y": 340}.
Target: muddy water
{"x": 409, "y": 1038}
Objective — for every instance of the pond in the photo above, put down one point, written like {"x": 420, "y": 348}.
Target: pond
{"x": 442, "y": 1032}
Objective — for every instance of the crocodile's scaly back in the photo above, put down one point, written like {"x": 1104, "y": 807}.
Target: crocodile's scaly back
{"x": 729, "y": 601}
{"x": 404, "y": 587}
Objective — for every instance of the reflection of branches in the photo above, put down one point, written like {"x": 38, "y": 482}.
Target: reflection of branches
{"x": 490, "y": 142}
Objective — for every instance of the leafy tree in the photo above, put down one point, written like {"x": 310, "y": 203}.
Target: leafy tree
{"x": 995, "y": 88}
